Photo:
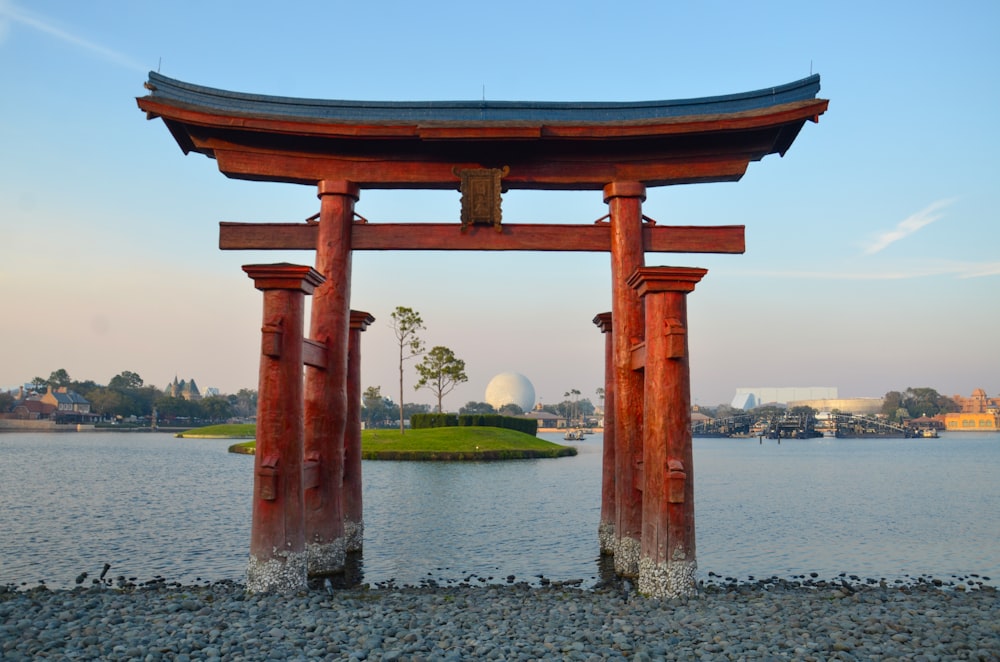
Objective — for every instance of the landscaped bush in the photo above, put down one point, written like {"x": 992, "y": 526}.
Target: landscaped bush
{"x": 418, "y": 421}
{"x": 526, "y": 425}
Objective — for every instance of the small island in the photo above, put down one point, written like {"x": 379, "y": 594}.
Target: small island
{"x": 464, "y": 443}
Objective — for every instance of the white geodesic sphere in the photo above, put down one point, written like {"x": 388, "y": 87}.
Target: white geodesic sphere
{"x": 510, "y": 388}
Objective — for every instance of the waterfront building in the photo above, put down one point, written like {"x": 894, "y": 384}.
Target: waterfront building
{"x": 979, "y": 413}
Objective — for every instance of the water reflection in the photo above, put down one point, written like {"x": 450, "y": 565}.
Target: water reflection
{"x": 152, "y": 505}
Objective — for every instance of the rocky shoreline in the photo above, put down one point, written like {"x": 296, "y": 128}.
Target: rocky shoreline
{"x": 771, "y": 619}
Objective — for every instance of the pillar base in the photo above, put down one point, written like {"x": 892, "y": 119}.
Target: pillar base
{"x": 671, "y": 579}
{"x": 284, "y": 572}
{"x": 354, "y": 535}
{"x": 606, "y": 538}
{"x": 325, "y": 558}
{"x": 627, "y": 557}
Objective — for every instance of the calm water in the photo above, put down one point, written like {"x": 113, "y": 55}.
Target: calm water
{"x": 153, "y": 505}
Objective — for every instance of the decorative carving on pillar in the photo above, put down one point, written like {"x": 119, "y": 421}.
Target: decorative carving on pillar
{"x": 481, "y": 189}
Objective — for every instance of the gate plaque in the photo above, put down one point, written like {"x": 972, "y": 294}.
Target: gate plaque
{"x": 481, "y": 189}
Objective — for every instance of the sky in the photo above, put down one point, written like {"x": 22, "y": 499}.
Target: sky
{"x": 872, "y": 260}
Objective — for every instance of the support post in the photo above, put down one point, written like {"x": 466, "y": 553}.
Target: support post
{"x": 326, "y": 400}
{"x": 606, "y": 527}
{"x": 277, "y": 536}
{"x": 667, "y": 563}
{"x": 354, "y": 523}
{"x": 624, "y": 200}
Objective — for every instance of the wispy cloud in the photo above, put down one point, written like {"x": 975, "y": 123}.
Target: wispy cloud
{"x": 11, "y": 13}
{"x": 908, "y": 226}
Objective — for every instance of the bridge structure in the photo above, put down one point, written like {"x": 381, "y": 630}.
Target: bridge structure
{"x": 792, "y": 426}
{"x": 306, "y": 508}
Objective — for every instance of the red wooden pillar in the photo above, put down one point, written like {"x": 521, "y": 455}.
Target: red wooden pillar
{"x": 354, "y": 523}
{"x": 667, "y": 564}
{"x": 624, "y": 201}
{"x": 326, "y": 401}
{"x": 277, "y": 534}
{"x": 606, "y": 528}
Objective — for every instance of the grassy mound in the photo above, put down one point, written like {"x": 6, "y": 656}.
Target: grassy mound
{"x": 226, "y": 431}
{"x": 447, "y": 444}
{"x": 457, "y": 443}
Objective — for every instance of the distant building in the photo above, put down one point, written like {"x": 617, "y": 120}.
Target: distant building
{"x": 752, "y": 397}
{"x": 187, "y": 390}
{"x": 980, "y": 413}
{"x": 546, "y": 419}
{"x": 58, "y": 408}
{"x": 66, "y": 400}
{"x": 32, "y": 410}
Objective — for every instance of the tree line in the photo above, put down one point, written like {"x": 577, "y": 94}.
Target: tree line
{"x": 127, "y": 396}
{"x": 897, "y": 406}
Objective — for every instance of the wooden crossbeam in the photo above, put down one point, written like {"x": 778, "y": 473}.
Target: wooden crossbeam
{"x": 514, "y": 237}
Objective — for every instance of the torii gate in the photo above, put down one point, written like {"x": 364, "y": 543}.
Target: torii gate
{"x": 306, "y": 504}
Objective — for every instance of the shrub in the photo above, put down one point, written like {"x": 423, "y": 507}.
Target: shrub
{"x": 525, "y": 425}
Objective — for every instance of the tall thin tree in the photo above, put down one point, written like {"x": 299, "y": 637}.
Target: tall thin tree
{"x": 406, "y": 322}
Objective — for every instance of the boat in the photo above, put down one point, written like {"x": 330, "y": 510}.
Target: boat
{"x": 573, "y": 435}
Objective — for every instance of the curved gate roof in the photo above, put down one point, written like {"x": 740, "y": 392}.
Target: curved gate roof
{"x": 420, "y": 144}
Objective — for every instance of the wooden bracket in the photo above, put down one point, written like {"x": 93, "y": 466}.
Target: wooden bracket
{"x": 267, "y": 479}
{"x": 270, "y": 341}
{"x": 676, "y": 335}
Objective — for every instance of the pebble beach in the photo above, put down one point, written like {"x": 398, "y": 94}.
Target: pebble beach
{"x": 764, "y": 620}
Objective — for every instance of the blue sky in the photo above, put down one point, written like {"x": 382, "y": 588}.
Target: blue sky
{"x": 872, "y": 258}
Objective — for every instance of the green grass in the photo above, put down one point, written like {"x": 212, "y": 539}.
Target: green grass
{"x": 226, "y": 431}
{"x": 448, "y": 444}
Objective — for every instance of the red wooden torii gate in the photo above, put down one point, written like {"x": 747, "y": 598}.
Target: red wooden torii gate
{"x": 307, "y": 504}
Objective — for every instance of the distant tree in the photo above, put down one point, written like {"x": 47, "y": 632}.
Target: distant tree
{"x": 926, "y": 401}
{"x": 125, "y": 380}
{"x": 39, "y": 384}
{"x": 59, "y": 378}
{"x": 215, "y": 408}
{"x": 173, "y": 408}
{"x": 892, "y": 403}
{"x": 376, "y": 408}
{"x": 244, "y": 403}
{"x": 440, "y": 372}
{"x": 472, "y": 407}
{"x": 573, "y": 411}
{"x": 510, "y": 409}
{"x": 106, "y": 402}
{"x": 6, "y": 402}
{"x": 406, "y": 323}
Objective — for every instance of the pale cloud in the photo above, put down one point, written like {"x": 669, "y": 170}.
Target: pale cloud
{"x": 908, "y": 226}
{"x": 11, "y": 13}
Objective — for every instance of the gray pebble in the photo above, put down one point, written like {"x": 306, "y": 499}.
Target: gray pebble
{"x": 501, "y": 622}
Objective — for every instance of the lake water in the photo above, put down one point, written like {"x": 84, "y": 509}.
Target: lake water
{"x": 153, "y": 505}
